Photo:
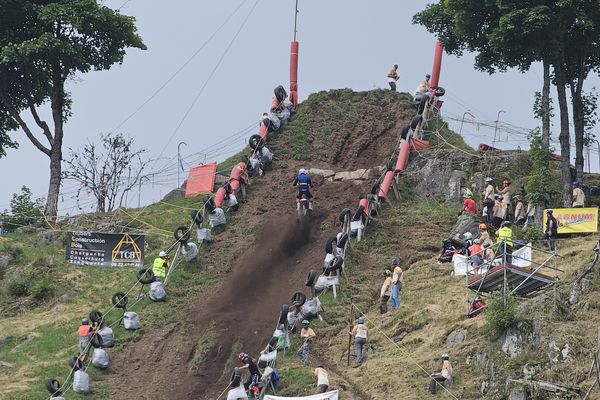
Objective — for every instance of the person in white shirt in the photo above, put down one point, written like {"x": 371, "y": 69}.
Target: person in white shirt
{"x": 322, "y": 379}
{"x": 578, "y": 196}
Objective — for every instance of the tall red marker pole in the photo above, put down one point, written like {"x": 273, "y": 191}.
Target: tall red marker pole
{"x": 437, "y": 65}
{"x": 294, "y": 63}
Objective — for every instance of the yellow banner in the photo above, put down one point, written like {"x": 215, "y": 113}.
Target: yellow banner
{"x": 575, "y": 220}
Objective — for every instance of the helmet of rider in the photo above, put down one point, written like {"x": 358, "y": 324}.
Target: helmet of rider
{"x": 549, "y": 211}
{"x": 445, "y": 357}
{"x": 489, "y": 179}
{"x": 305, "y": 322}
{"x": 302, "y": 171}
{"x": 361, "y": 320}
{"x": 483, "y": 227}
{"x": 575, "y": 183}
{"x": 85, "y": 321}
{"x": 467, "y": 235}
{"x": 162, "y": 254}
{"x": 394, "y": 261}
{"x": 243, "y": 356}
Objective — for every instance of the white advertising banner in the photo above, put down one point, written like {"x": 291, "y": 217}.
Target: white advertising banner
{"x": 333, "y": 395}
{"x": 460, "y": 264}
{"x": 522, "y": 257}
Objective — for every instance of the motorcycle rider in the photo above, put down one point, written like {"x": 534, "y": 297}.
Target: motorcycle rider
{"x": 304, "y": 183}
{"x": 249, "y": 363}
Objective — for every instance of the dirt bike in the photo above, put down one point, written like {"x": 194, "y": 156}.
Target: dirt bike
{"x": 304, "y": 206}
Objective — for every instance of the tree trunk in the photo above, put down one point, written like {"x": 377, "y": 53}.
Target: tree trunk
{"x": 546, "y": 105}
{"x": 57, "y": 104}
{"x": 564, "y": 138}
{"x": 578, "y": 124}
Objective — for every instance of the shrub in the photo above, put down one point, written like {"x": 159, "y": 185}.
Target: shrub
{"x": 500, "y": 314}
{"x": 18, "y": 288}
{"x": 43, "y": 288}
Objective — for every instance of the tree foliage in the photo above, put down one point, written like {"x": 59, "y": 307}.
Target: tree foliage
{"x": 43, "y": 43}
{"x": 24, "y": 210}
{"x": 107, "y": 172}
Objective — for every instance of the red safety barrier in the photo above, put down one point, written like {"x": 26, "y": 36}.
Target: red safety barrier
{"x": 263, "y": 131}
{"x": 437, "y": 65}
{"x": 294, "y": 73}
{"x": 365, "y": 204}
{"x": 385, "y": 186}
{"x": 238, "y": 176}
{"x": 418, "y": 144}
{"x": 220, "y": 197}
{"x": 402, "y": 156}
{"x": 201, "y": 179}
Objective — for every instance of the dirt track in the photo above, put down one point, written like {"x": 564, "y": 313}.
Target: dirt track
{"x": 262, "y": 278}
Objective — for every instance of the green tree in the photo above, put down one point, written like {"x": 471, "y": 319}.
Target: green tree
{"x": 24, "y": 210}
{"x": 538, "y": 181}
{"x": 44, "y": 43}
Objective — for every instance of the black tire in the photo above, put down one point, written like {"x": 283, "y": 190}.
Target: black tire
{"x": 334, "y": 265}
{"x": 245, "y": 160}
{"x": 96, "y": 316}
{"x": 345, "y": 211}
{"x": 342, "y": 240}
{"x": 256, "y": 142}
{"x": 197, "y": 217}
{"x": 440, "y": 91}
{"x": 417, "y": 119}
{"x": 375, "y": 188}
{"x": 404, "y": 131}
{"x": 145, "y": 275}
{"x": 76, "y": 364}
{"x": 209, "y": 203}
{"x": 97, "y": 342}
{"x": 236, "y": 378}
{"x": 298, "y": 299}
{"x": 285, "y": 309}
{"x": 53, "y": 386}
{"x": 228, "y": 189}
{"x": 273, "y": 343}
{"x": 390, "y": 166}
{"x": 120, "y": 300}
{"x": 310, "y": 278}
{"x": 280, "y": 93}
{"x": 359, "y": 212}
{"x": 182, "y": 234}
{"x": 332, "y": 241}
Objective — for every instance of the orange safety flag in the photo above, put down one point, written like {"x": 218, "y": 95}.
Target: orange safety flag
{"x": 201, "y": 179}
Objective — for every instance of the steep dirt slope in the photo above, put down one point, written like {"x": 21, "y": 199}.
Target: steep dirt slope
{"x": 192, "y": 358}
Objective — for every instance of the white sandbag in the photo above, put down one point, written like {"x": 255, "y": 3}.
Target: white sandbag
{"x": 204, "y": 235}
{"x": 231, "y": 201}
{"x": 292, "y": 319}
{"x": 311, "y": 308}
{"x": 266, "y": 375}
{"x": 355, "y": 226}
{"x": 274, "y": 121}
{"x": 327, "y": 260}
{"x": 81, "y": 382}
{"x": 268, "y": 357}
{"x": 100, "y": 359}
{"x": 131, "y": 320}
{"x": 238, "y": 393}
{"x": 157, "y": 292}
{"x": 217, "y": 217}
{"x": 266, "y": 157}
{"x": 108, "y": 337}
{"x": 323, "y": 282}
{"x": 58, "y": 398}
{"x": 190, "y": 251}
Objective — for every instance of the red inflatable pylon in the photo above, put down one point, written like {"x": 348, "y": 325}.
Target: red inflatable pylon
{"x": 294, "y": 73}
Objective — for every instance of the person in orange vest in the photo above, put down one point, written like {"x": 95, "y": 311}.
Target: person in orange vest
{"x": 85, "y": 333}
{"x": 476, "y": 255}
{"x": 393, "y": 77}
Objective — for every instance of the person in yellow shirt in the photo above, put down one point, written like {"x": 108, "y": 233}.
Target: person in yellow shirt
{"x": 306, "y": 335}
{"x": 443, "y": 376}
{"x": 161, "y": 265}
{"x": 578, "y": 198}
{"x": 360, "y": 332}
{"x": 386, "y": 290}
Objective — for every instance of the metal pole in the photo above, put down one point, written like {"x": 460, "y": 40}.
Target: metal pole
{"x": 496, "y": 127}
{"x": 295, "y": 21}
{"x": 598, "y": 143}
{"x": 179, "y": 160}
{"x": 463, "y": 121}
{"x": 140, "y": 188}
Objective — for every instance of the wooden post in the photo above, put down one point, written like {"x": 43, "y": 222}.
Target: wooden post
{"x": 334, "y": 291}
{"x": 350, "y": 330}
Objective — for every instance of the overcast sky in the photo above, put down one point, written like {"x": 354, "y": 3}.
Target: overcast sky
{"x": 342, "y": 45}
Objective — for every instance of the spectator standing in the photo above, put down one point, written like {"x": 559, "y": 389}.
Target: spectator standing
{"x": 322, "y": 379}
{"x": 443, "y": 376}
{"x": 161, "y": 266}
{"x": 393, "y": 77}
{"x": 488, "y": 199}
{"x": 397, "y": 283}
{"x": 531, "y": 208}
{"x": 306, "y": 335}
{"x": 386, "y": 290}
{"x": 520, "y": 216}
{"x": 578, "y": 196}
{"x": 484, "y": 236}
{"x": 360, "y": 333}
{"x": 504, "y": 238}
{"x": 551, "y": 231}
{"x": 424, "y": 85}
{"x": 85, "y": 333}
{"x": 505, "y": 201}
